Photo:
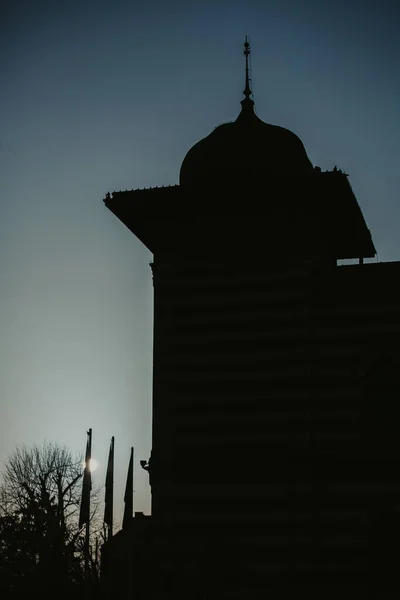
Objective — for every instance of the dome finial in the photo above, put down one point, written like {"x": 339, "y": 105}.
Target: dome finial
{"x": 247, "y": 103}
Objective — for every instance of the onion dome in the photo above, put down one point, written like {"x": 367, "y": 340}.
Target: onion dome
{"x": 245, "y": 150}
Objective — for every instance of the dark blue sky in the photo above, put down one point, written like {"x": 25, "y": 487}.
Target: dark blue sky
{"x": 101, "y": 96}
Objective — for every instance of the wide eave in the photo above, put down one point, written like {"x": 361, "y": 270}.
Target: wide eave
{"x": 295, "y": 213}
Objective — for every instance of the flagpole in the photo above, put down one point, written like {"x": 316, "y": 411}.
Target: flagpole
{"x": 110, "y": 525}
{"x": 109, "y": 497}
{"x": 87, "y": 548}
{"x": 87, "y": 469}
{"x": 128, "y": 498}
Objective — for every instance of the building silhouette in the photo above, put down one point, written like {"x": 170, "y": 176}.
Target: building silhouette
{"x": 274, "y": 468}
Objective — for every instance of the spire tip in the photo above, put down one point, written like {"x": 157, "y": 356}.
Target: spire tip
{"x": 247, "y": 103}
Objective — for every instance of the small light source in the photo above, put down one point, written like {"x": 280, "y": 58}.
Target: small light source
{"x": 92, "y": 464}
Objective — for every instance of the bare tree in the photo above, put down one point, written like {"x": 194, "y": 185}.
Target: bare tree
{"x": 39, "y": 518}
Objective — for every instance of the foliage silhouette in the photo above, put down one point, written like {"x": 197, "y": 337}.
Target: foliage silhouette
{"x": 41, "y": 545}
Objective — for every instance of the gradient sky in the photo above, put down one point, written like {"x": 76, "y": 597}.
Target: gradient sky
{"x": 102, "y": 96}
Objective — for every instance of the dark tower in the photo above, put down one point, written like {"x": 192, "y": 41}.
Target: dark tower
{"x": 259, "y": 406}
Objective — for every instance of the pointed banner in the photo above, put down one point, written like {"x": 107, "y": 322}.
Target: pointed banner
{"x": 109, "y": 499}
{"x": 84, "y": 514}
{"x": 128, "y": 498}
